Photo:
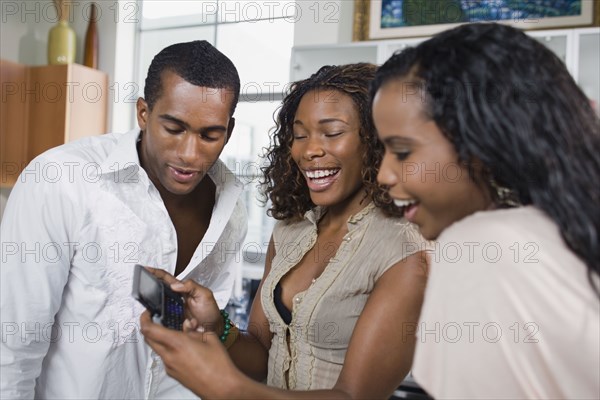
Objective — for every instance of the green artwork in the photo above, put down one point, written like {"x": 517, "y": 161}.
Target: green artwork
{"x": 400, "y": 13}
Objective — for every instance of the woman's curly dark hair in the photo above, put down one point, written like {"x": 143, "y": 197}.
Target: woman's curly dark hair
{"x": 282, "y": 182}
{"x": 504, "y": 99}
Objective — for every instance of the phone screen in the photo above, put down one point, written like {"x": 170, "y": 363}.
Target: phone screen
{"x": 150, "y": 289}
{"x": 165, "y": 305}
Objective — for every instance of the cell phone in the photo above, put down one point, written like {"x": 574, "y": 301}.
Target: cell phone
{"x": 165, "y": 305}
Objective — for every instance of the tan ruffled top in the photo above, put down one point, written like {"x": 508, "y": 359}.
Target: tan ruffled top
{"x": 324, "y": 316}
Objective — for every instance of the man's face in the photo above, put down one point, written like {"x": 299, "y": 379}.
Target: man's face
{"x": 184, "y": 133}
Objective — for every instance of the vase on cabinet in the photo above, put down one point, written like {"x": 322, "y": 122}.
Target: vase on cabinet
{"x": 90, "y": 53}
{"x": 61, "y": 44}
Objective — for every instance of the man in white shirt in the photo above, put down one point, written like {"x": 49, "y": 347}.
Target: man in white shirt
{"x": 83, "y": 214}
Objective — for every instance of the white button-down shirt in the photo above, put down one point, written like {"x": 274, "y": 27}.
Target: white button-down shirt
{"x": 80, "y": 217}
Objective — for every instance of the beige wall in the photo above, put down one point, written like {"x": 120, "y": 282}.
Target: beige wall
{"x": 323, "y": 22}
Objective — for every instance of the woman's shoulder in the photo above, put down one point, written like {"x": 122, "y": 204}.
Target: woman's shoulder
{"x": 522, "y": 222}
{"x": 523, "y": 240}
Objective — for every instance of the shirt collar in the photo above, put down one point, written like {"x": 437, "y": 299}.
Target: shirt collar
{"x": 223, "y": 178}
{"x": 124, "y": 154}
{"x": 315, "y": 214}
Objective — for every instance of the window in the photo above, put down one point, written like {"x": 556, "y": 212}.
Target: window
{"x": 258, "y": 37}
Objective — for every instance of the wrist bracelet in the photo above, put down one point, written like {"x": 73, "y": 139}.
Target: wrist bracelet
{"x": 230, "y": 331}
{"x": 226, "y": 324}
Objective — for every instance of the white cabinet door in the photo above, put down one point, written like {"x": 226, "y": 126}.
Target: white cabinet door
{"x": 307, "y": 60}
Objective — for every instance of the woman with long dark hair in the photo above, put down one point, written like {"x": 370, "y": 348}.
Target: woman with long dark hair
{"x": 492, "y": 149}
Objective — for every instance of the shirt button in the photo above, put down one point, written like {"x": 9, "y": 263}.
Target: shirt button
{"x": 347, "y": 238}
{"x": 298, "y": 299}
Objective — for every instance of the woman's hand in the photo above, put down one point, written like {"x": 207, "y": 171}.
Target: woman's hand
{"x": 202, "y": 311}
{"x": 198, "y": 360}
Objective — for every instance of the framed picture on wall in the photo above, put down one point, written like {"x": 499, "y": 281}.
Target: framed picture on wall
{"x": 384, "y": 19}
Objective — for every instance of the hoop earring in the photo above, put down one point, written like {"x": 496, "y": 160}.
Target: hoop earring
{"x": 505, "y": 196}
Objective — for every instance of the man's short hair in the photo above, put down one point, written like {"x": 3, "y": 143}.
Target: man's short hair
{"x": 198, "y": 63}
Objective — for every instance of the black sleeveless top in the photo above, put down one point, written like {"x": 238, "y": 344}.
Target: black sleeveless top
{"x": 286, "y": 315}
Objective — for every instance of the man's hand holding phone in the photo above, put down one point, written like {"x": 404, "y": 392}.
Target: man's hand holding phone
{"x": 201, "y": 312}
{"x": 165, "y": 305}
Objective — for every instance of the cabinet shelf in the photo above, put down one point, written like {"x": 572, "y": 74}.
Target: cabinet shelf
{"x": 579, "y": 49}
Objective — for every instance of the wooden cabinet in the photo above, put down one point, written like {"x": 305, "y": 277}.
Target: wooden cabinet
{"x": 46, "y": 106}
{"x": 13, "y": 121}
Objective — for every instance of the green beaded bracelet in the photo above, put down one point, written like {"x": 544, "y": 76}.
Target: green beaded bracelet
{"x": 227, "y": 323}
